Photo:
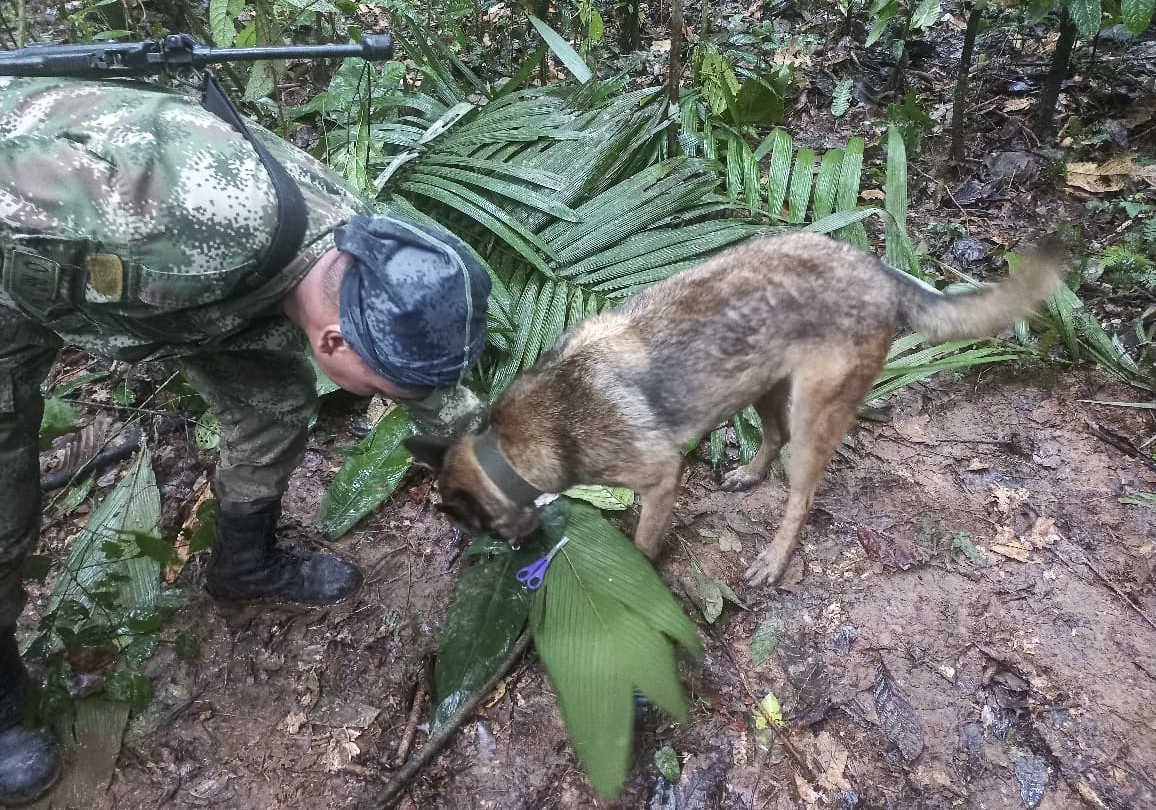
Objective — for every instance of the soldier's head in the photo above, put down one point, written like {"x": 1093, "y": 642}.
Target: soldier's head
{"x": 411, "y": 305}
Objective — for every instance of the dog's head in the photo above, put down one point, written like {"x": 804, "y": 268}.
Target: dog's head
{"x": 469, "y": 497}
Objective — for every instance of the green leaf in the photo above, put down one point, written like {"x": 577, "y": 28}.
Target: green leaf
{"x": 603, "y": 624}
{"x": 487, "y": 615}
{"x": 132, "y": 509}
{"x": 221, "y": 16}
{"x": 561, "y": 48}
{"x": 666, "y": 760}
{"x": 186, "y": 646}
{"x": 59, "y": 419}
{"x": 606, "y": 498}
{"x": 129, "y": 687}
{"x": 899, "y": 250}
{"x": 1137, "y": 14}
{"x": 366, "y": 479}
{"x": 802, "y": 178}
{"x": 1086, "y": 14}
{"x": 827, "y": 183}
{"x": 884, "y": 13}
{"x": 780, "y": 172}
{"x": 155, "y": 548}
{"x": 926, "y": 14}
{"x": 841, "y": 98}
{"x": 759, "y": 101}
{"x": 765, "y": 639}
{"x": 207, "y": 432}
{"x": 76, "y": 495}
{"x": 847, "y": 198}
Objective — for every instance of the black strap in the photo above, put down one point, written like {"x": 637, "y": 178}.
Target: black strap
{"x": 291, "y": 219}
{"x": 505, "y": 477}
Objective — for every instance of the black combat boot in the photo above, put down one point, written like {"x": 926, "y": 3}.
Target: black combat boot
{"x": 29, "y": 757}
{"x": 247, "y": 566}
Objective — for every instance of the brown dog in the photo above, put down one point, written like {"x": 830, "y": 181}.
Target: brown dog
{"x": 800, "y": 317}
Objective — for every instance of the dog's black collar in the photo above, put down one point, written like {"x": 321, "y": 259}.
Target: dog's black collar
{"x": 505, "y": 477}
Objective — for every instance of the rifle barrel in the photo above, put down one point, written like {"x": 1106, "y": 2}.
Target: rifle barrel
{"x": 371, "y": 46}
{"x": 102, "y": 59}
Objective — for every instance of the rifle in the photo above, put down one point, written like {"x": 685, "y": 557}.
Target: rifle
{"x": 98, "y": 60}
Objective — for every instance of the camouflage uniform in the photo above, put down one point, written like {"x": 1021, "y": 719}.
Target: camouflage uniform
{"x": 131, "y": 223}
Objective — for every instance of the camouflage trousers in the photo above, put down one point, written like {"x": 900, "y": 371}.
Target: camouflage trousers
{"x": 263, "y": 399}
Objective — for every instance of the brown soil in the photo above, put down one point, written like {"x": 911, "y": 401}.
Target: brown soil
{"x": 1051, "y": 639}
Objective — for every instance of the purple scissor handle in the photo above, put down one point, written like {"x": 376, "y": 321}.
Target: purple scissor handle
{"x": 532, "y": 575}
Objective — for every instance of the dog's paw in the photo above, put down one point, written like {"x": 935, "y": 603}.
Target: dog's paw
{"x": 767, "y": 567}
{"x": 740, "y": 479}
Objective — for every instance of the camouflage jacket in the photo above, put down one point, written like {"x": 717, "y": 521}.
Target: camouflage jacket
{"x": 131, "y": 219}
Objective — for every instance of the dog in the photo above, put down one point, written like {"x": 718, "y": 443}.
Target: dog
{"x": 798, "y": 326}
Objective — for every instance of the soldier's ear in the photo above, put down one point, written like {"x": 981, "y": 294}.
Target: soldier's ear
{"x": 428, "y": 451}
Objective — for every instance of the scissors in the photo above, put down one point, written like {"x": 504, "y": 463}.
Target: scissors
{"x": 532, "y": 575}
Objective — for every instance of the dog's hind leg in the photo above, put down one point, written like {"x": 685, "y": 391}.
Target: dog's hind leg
{"x": 773, "y": 413}
{"x": 826, "y": 399}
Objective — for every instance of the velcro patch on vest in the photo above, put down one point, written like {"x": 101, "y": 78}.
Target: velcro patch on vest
{"x": 105, "y": 274}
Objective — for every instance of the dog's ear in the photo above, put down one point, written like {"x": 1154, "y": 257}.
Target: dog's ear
{"x": 429, "y": 451}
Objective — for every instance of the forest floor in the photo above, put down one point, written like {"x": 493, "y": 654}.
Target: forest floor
{"x": 968, "y": 621}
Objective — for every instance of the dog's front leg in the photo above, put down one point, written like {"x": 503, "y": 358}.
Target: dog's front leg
{"x": 657, "y": 507}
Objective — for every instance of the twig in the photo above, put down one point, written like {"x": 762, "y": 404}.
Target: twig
{"x": 419, "y": 693}
{"x": 1103, "y": 578}
{"x": 392, "y": 792}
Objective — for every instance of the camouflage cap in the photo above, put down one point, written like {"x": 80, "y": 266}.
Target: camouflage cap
{"x": 413, "y": 301}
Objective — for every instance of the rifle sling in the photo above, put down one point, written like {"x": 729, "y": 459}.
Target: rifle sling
{"x": 291, "y": 220}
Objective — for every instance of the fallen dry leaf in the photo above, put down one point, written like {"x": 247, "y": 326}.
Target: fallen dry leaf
{"x": 1012, "y": 551}
{"x": 294, "y": 721}
{"x": 1110, "y": 175}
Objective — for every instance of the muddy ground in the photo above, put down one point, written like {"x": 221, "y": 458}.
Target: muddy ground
{"x": 969, "y": 621}
{"x": 1029, "y": 670}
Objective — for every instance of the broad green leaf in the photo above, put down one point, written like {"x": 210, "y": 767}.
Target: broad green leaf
{"x": 780, "y": 172}
{"x": 802, "y": 178}
{"x": 759, "y": 101}
{"x": 883, "y": 13}
{"x": 221, "y": 16}
{"x": 1137, "y": 14}
{"x": 827, "y": 184}
{"x": 1086, "y": 14}
{"x": 548, "y": 321}
{"x": 748, "y": 437}
{"x": 899, "y": 250}
{"x": 131, "y": 510}
{"x": 59, "y": 419}
{"x": 562, "y": 49}
{"x": 129, "y": 687}
{"x": 847, "y": 198}
{"x": 606, "y": 498}
{"x": 367, "y": 478}
{"x": 765, "y": 639}
{"x": 487, "y": 615}
{"x": 603, "y": 625}
{"x": 926, "y": 14}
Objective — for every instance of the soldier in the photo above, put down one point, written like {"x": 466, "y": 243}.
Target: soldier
{"x": 138, "y": 225}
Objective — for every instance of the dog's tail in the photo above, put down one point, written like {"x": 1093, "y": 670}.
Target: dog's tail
{"x": 991, "y": 308}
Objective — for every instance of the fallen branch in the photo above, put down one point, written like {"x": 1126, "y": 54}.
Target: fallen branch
{"x": 441, "y": 735}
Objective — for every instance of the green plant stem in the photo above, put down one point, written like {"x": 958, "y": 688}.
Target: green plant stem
{"x": 390, "y": 795}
